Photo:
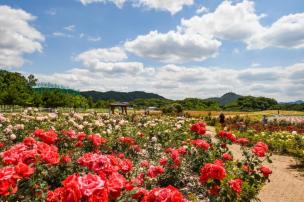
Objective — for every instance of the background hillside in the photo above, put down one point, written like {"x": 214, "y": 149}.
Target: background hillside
{"x": 119, "y": 96}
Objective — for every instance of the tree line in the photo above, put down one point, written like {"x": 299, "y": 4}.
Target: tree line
{"x": 16, "y": 89}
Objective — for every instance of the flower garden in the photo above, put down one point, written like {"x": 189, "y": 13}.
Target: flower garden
{"x": 282, "y": 137}
{"x": 93, "y": 157}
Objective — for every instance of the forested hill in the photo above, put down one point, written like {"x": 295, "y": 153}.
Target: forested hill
{"x": 120, "y": 96}
{"x": 225, "y": 99}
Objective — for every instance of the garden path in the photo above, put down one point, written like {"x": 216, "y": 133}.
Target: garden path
{"x": 286, "y": 182}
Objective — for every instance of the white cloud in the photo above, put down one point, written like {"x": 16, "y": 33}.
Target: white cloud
{"x": 17, "y": 36}
{"x": 115, "y": 54}
{"x": 61, "y": 34}
{"x": 202, "y": 10}
{"x": 228, "y": 22}
{"x": 173, "y": 47}
{"x": 165, "y": 5}
{"x": 109, "y": 61}
{"x": 118, "y": 3}
{"x": 172, "y": 6}
{"x": 70, "y": 28}
{"x": 286, "y": 32}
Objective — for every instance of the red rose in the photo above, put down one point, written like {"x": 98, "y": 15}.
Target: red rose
{"x": 163, "y": 161}
{"x": 139, "y": 194}
{"x": 127, "y": 140}
{"x": 70, "y": 133}
{"x": 126, "y": 165}
{"x": 116, "y": 182}
{"x": 154, "y": 171}
{"x": 260, "y": 149}
{"x": 66, "y": 159}
{"x": 236, "y": 185}
{"x": 54, "y": 196}
{"x": 81, "y": 136}
{"x": 242, "y": 141}
{"x": 90, "y": 183}
{"x": 24, "y": 170}
{"x": 48, "y": 137}
{"x": 8, "y": 181}
{"x": 265, "y": 171}
{"x": 212, "y": 171}
{"x": 48, "y": 153}
{"x": 199, "y": 128}
{"x": 96, "y": 139}
{"x": 202, "y": 144}
{"x": 167, "y": 194}
{"x": 29, "y": 141}
{"x": 227, "y": 157}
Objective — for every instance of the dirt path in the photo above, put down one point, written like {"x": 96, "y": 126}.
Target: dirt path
{"x": 286, "y": 183}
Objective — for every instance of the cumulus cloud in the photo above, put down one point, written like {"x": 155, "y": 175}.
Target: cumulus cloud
{"x": 201, "y": 10}
{"x": 241, "y": 22}
{"x": 172, "y": 6}
{"x": 166, "y": 5}
{"x": 173, "y": 47}
{"x": 229, "y": 21}
{"x": 109, "y": 61}
{"x": 114, "y": 54}
{"x": 17, "y": 36}
{"x": 286, "y": 32}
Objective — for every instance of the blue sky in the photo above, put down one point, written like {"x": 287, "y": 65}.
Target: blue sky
{"x": 167, "y": 47}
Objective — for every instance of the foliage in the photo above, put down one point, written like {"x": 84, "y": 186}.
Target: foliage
{"x": 250, "y": 103}
{"x": 120, "y": 96}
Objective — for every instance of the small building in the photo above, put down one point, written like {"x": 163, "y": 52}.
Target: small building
{"x": 122, "y": 105}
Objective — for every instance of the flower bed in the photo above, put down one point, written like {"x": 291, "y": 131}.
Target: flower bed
{"x": 286, "y": 143}
{"x": 57, "y": 157}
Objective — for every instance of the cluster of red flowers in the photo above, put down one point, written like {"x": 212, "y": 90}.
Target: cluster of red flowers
{"x": 236, "y": 185}
{"x": 76, "y": 187}
{"x": 260, "y": 149}
{"x": 31, "y": 151}
{"x": 167, "y": 194}
{"x": 96, "y": 139}
{"x": 105, "y": 162}
{"x": 265, "y": 171}
{"x": 242, "y": 141}
{"x": 48, "y": 137}
{"x": 215, "y": 171}
{"x": 227, "y": 157}
{"x": 227, "y": 135}
{"x": 202, "y": 144}
{"x": 175, "y": 155}
{"x": 9, "y": 176}
{"x": 199, "y": 128}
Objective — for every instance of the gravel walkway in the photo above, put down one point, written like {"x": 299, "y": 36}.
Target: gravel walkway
{"x": 286, "y": 183}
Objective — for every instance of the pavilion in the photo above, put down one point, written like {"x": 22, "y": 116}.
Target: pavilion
{"x": 122, "y": 105}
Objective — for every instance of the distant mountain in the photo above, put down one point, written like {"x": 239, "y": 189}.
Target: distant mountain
{"x": 226, "y": 98}
{"x": 293, "y": 103}
{"x": 119, "y": 96}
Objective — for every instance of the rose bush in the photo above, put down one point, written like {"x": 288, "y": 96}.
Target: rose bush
{"x": 94, "y": 157}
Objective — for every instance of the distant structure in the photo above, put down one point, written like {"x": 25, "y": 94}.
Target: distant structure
{"x": 148, "y": 109}
{"x": 122, "y": 105}
{"x": 46, "y": 86}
